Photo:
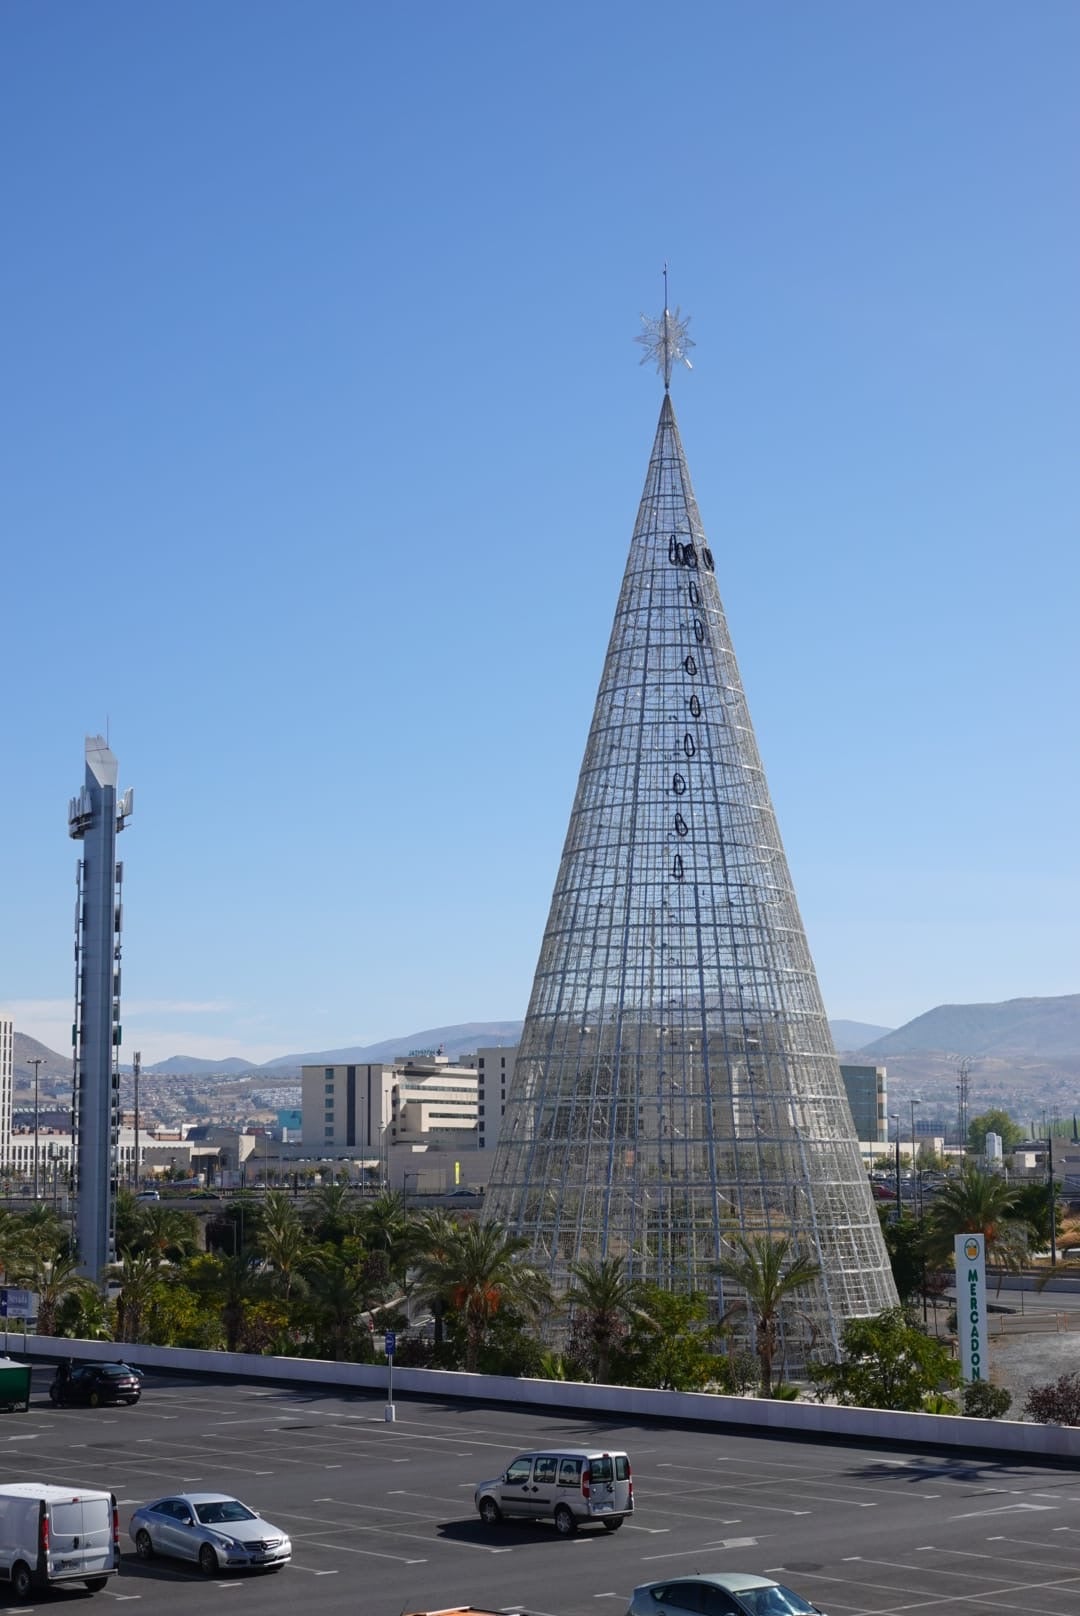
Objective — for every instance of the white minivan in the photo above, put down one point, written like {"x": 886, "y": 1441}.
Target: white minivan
{"x": 51, "y": 1535}
{"x": 566, "y": 1485}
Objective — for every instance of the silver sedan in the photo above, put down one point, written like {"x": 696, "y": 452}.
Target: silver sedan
{"x": 718, "y": 1593}
{"x": 213, "y": 1529}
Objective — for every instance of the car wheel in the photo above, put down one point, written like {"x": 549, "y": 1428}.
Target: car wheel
{"x": 613, "y": 1525}
{"x": 208, "y": 1561}
{"x": 144, "y": 1544}
{"x": 94, "y": 1399}
{"x": 565, "y": 1523}
{"x": 94, "y": 1585}
{"x": 490, "y": 1513}
{"x": 21, "y": 1581}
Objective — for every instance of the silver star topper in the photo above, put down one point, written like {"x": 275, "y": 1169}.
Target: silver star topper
{"x": 665, "y": 340}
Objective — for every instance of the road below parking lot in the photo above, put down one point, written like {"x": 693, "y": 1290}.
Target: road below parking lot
{"x": 381, "y": 1515}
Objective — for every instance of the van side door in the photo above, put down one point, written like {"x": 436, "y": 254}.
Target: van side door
{"x": 544, "y": 1491}
{"x": 568, "y": 1486}
{"x": 515, "y": 1489}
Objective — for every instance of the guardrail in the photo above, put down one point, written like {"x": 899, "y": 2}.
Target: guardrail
{"x": 702, "y": 1408}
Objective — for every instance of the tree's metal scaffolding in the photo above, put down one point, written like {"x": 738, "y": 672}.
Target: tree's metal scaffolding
{"x": 676, "y": 1082}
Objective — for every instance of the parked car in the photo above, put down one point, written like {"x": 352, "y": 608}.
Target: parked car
{"x": 148, "y": 1195}
{"x": 52, "y": 1536}
{"x": 720, "y": 1593}
{"x": 96, "y": 1383}
{"x": 216, "y": 1531}
{"x": 566, "y": 1485}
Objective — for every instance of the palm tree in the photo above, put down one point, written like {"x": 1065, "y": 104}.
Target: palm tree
{"x": 330, "y": 1213}
{"x": 337, "y": 1298}
{"x": 13, "y": 1240}
{"x": 232, "y": 1283}
{"x": 53, "y": 1278}
{"x": 477, "y": 1269}
{"x": 138, "y": 1277}
{"x": 127, "y": 1211}
{"x": 767, "y": 1271}
{"x": 86, "y": 1315}
{"x": 385, "y": 1225}
{"x": 166, "y": 1232}
{"x": 46, "y": 1233}
{"x": 283, "y": 1240}
{"x": 978, "y": 1202}
{"x": 603, "y": 1300}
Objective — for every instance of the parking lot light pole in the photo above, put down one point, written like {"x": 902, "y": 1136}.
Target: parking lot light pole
{"x": 914, "y": 1162}
{"x": 1050, "y": 1194}
{"x": 390, "y": 1343}
{"x": 36, "y": 1063}
{"x": 895, "y": 1116}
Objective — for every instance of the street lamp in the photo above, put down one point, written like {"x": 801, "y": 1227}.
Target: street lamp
{"x": 36, "y": 1062}
{"x": 914, "y": 1162}
{"x": 895, "y": 1117}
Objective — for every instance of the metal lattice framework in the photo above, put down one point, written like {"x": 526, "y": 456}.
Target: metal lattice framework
{"x": 676, "y": 1082}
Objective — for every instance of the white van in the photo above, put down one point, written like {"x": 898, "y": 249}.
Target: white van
{"x": 52, "y": 1535}
{"x": 566, "y": 1485}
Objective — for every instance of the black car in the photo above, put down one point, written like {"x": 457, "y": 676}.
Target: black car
{"x": 96, "y": 1383}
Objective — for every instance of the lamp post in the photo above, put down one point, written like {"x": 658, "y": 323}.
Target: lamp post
{"x": 914, "y": 1162}
{"x": 36, "y": 1062}
{"x": 1050, "y": 1196}
{"x": 895, "y": 1117}
{"x": 136, "y": 1071}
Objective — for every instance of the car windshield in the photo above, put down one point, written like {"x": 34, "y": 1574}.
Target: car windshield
{"x": 115, "y": 1371}
{"x": 225, "y": 1509}
{"x": 775, "y": 1601}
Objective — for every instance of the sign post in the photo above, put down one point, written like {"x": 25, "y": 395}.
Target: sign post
{"x": 17, "y": 1304}
{"x": 971, "y": 1316}
{"x": 390, "y": 1343}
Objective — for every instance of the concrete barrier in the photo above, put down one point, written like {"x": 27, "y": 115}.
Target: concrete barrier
{"x": 615, "y": 1402}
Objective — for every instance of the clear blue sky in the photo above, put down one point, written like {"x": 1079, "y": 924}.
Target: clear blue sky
{"x": 322, "y": 439}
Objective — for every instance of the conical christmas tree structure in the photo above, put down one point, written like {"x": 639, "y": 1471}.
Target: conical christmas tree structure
{"x": 676, "y": 1084}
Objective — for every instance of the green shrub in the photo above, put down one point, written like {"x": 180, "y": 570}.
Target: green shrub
{"x": 985, "y": 1402}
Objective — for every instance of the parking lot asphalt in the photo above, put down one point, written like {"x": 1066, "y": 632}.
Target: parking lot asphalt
{"x": 381, "y": 1515}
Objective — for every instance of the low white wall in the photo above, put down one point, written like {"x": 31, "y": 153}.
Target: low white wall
{"x": 809, "y": 1419}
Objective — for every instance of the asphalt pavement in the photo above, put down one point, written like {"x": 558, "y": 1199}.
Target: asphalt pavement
{"x": 381, "y": 1515}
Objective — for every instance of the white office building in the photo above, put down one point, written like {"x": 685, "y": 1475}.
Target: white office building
{"x": 494, "y": 1069}
{"x": 422, "y": 1100}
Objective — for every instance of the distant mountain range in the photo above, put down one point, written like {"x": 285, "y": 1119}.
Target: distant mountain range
{"x": 26, "y": 1049}
{"x": 192, "y": 1066}
{"x": 458, "y": 1040}
{"x": 1040, "y": 1029}
{"x": 1032, "y": 1029}
{"x": 851, "y": 1036}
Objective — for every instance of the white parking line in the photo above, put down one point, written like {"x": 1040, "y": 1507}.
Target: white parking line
{"x": 1000, "y": 1509}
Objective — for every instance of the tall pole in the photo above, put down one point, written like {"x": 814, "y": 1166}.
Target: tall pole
{"x": 896, "y": 1120}
{"x": 36, "y": 1062}
{"x": 1050, "y": 1197}
{"x": 136, "y": 1067}
{"x": 915, "y": 1161}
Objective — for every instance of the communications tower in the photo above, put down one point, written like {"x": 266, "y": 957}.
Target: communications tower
{"x": 95, "y": 817}
{"x": 676, "y": 1083}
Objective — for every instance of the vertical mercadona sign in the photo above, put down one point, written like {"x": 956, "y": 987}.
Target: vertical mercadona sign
{"x": 970, "y": 1250}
